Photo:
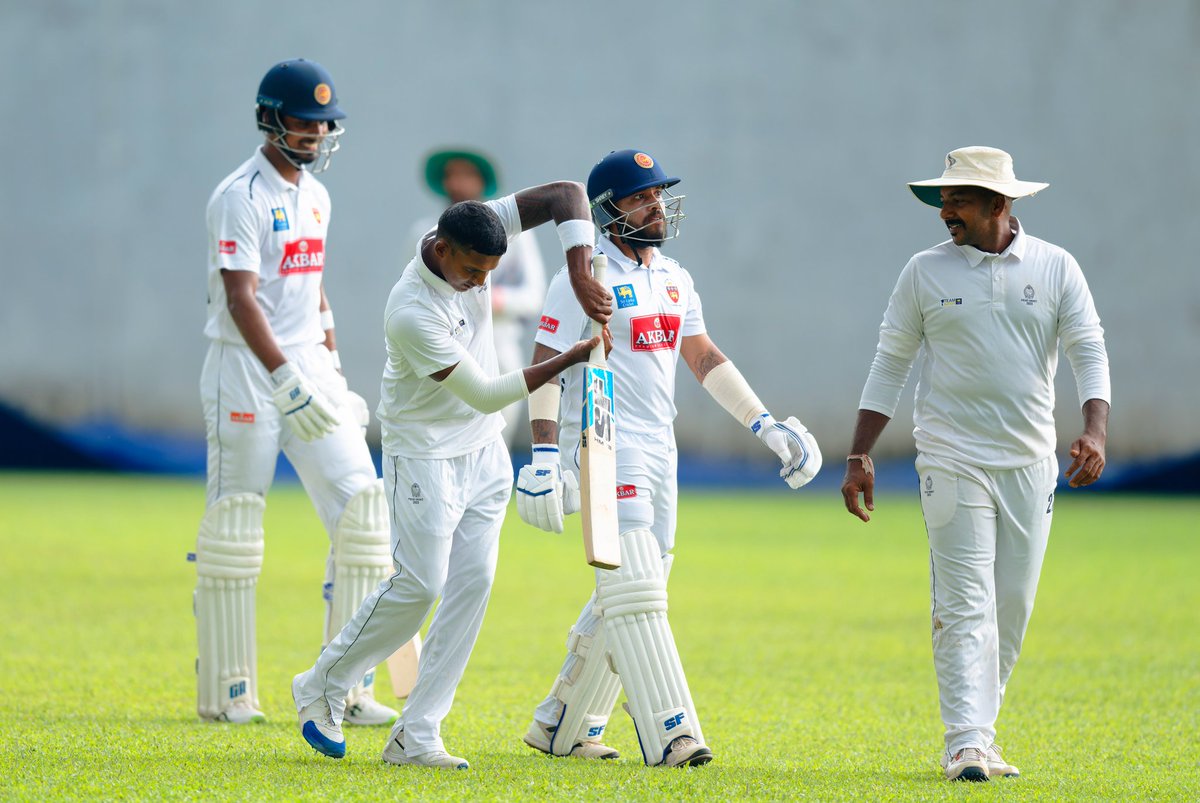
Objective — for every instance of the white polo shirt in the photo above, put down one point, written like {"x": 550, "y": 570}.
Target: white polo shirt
{"x": 259, "y": 222}
{"x": 653, "y": 308}
{"x": 430, "y": 326}
{"x": 989, "y": 328}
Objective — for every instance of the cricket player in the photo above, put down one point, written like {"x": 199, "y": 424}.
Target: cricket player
{"x": 518, "y": 283}
{"x": 988, "y": 310}
{"x": 657, "y": 319}
{"x": 272, "y": 381}
{"x": 446, "y": 469}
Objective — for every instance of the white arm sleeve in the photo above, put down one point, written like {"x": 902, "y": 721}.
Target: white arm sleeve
{"x": 487, "y": 394}
{"x": 900, "y": 337}
{"x": 1082, "y": 338}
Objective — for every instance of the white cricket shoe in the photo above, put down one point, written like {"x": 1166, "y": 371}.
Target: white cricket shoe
{"x": 240, "y": 713}
{"x": 538, "y": 737}
{"x": 363, "y": 709}
{"x": 968, "y": 764}
{"x": 685, "y": 751}
{"x": 997, "y": 766}
{"x": 318, "y": 728}
{"x": 394, "y": 754}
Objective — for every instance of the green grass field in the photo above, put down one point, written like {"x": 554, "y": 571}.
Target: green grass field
{"x": 804, "y": 634}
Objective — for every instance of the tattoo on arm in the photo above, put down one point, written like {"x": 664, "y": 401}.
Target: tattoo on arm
{"x": 544, "y": 430}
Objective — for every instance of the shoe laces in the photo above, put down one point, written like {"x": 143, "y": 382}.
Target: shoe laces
{"x": 968, "y": 753}
{"x": 682, "y": 742}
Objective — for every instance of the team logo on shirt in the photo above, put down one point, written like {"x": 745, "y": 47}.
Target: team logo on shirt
{"x": 1030, "y": 297}
{"x": 279, "y": 218}
{"x": 625, "y": 296}
{"x": 643, "y": 160}
{"x": 316, "y": 214}
{"x": 303, "y": 256}
{"x": 626, "y": 491}
{"x": 322, "y": 94}
{"x": 548, "y": 324}
{"x": 951, "y": 302}
{"x": 673, "y": 292}
{"x": 227, "y": 246}
{"x": 653, "y": 332}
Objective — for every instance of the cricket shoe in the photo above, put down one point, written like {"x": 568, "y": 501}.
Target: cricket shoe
{"x": 241, "y": 713}
{"x": 364, "y": 709}
{"x": 968, "y": 764}
{"x": 318, "y": 728}
{"x": 997, "y": 766}
{"x": 394, "y": 754}
{"x": 684, "y": 751}
{"x": 538, "y": 737}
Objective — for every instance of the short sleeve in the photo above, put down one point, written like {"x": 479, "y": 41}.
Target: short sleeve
{"x": 562, "y": 323}
{"x": 506, "y": 209}
{"x": 424, "y": 339}
{"x": 234, "y": 231}
{"x": 693, "y": 318}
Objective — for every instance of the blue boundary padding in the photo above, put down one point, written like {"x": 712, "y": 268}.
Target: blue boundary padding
{"x": 27, "y": 444}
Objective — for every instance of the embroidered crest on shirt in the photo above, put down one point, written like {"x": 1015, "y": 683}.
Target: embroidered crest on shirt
{"x": 672, "y": 292}
{"x": 1030, "y": 297}
{"x": 625, "y": 296}
{"x": 279, "y": 218}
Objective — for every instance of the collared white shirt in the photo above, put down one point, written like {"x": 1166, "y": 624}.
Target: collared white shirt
{"x": 260, "y": 222}
{"x": 430, "y": 326}
{"x": 988, "y": 327}
{"x": 654, "y": 306}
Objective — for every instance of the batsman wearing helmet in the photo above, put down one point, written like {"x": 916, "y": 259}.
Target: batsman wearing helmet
{"x": 271, "y": 382}
{"x": 656, "y": 318}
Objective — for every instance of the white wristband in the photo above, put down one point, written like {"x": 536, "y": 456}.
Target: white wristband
{"x": 326, "y": 319}
{"x": 731, "y": 390}
{"x": 543, "y": 402}
{"x": 574, "y": 233}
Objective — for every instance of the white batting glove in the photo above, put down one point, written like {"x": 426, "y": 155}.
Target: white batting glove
{"x": 794, "y": 445}
{"x": 545, "y": 493}
{"x": 355, "y": 406}
{"x": 305, "y": 409}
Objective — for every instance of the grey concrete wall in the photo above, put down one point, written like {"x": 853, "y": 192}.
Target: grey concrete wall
{"x": 793, "y": 124}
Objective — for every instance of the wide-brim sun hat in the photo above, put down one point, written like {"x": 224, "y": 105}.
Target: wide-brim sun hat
{"x": 976, "y": 166}
{"x": 435, "y": 169}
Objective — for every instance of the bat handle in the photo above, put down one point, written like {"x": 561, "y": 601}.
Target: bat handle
{"x": 599, "y": 269}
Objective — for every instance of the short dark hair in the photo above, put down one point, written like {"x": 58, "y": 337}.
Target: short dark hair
{"x": 471, "y": 224}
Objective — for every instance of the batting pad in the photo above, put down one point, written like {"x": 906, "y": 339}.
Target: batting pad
{"x": 362, "y": 559}
{"x": 229, "y": 556}
{"x": 588, "y": 693}
{"x": 633, "y": 599}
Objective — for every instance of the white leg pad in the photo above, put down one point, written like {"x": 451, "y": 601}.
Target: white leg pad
{"x": 362, "y": 559}
{"x": 587, "y": 695}
{"x": 633, "y": 600}
{"x": 229, "y": 557}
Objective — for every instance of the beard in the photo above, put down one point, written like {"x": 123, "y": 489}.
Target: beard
{"x": 653, "y": 235}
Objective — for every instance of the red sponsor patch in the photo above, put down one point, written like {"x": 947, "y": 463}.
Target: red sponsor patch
{"x": 653, "y": 332}
{"x": 242, "y": 418}
{"x": 673, "y": 292}
{"x": 227, "y": 246}
{"x": 548, "y": 324}
{"x": 626, "y": 491}
{"x": 303, "y": 256}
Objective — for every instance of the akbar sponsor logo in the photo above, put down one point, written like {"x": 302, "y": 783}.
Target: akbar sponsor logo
{"x": 227, "y": 246}
{"x": 626, "y": 491}
{"x": 654, "y": 332}
{"x": 548, "y": 324}
{"x": 303, "y": 256}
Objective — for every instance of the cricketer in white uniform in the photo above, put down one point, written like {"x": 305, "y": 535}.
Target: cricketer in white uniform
{"x": 658, "y": 317}
{"x": 987, "y": 310}
{"x": 446, "y": 469}
{"x": 271, "y": 382}
{"x": 518, "y": 283}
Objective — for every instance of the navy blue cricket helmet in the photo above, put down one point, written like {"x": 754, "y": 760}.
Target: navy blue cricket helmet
{"x": 621, "y": 174}
{"x": 302, "y": 89}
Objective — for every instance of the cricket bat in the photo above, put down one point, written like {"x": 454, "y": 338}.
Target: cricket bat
{"x": 598, "y": 453}
{"x": 402, "y": 667}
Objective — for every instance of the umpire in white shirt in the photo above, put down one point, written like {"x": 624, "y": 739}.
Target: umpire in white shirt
{"x": 988, "y": 310}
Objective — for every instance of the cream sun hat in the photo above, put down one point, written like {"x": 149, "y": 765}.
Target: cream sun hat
{"x": 976, "y": 166}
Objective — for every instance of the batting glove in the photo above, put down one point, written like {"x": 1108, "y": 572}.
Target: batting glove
{"x": 356, "y": 408}
{"x": 545, "y": 493}
{"x": 795, "y": 446}
{"x": 308, "y": 413}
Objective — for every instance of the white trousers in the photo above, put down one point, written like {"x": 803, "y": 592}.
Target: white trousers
{"x": 446, "y": 518}
{"x": 649, "y": 466}
{"x": 987, "y": 537}
{"x": 246, "y": 431}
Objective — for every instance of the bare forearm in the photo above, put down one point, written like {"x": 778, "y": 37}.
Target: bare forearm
{"x": 867, "y": 430}
{"x": 1095, "y": 419}
{"x": 256, "y": 331}
{"x": 544, "y": 430}
{"x": 557, "y": 201}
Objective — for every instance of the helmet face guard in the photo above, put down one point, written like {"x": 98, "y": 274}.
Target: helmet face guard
{"x": 302, "y": 89}
{"x": 625, "y": 173}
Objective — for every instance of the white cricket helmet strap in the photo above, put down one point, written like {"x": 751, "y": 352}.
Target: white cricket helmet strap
{"x": 229, "y": 556}
{"x": 633, "y": 601}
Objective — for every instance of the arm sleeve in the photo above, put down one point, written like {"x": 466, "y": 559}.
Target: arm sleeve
{"x": 562, "y": 322}
{"x": 1082, "y": 337}
{"x": 425, "y": 341}
{"x": 234, "y": 233}
{"x": 506, "y": 208}
{"x": 487, "y": 394}
{"x": 900, "y": 337}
